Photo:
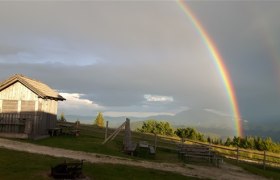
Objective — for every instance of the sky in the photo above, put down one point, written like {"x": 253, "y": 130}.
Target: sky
{"x": 145, "y": 58}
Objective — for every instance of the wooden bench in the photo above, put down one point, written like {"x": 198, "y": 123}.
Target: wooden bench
{"x": 65, "y": 170}
{"x": 69, "y": 129}
{"x": 145, "y": 148}
{"x": 198, "y": 153}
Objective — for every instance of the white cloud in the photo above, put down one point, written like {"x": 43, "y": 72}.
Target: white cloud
{"x": 74, "y": 100}
{"x": 157, "y": 98}
{"x": 135, "y": 114}
{"x": 217, "y": 112}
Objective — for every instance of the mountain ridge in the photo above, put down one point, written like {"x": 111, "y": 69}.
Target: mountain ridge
{"x": 208, "y": 123}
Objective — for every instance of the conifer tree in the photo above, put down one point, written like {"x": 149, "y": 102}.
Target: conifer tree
{"x": 62, "y": 117}
{"x": 99, "y": 121}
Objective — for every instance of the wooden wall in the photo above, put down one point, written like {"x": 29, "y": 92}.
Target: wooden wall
{"x": 18, "y": 91}
{"x": 17, "y": 101}
{"x": 49, "y": 107}
{"x": 27, "y": 106}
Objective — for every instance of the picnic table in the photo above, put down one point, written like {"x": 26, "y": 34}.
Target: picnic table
{"x": 69, "y": 129}
{"x": 198, "y": 153}
{"x": 55, "y": 131}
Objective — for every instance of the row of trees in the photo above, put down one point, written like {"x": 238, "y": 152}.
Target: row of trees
{"x": 262, "y": 144}
{"x": 99, "y": 121}
{"x": 164, "y": 128}
{"x": 248, "y": 142}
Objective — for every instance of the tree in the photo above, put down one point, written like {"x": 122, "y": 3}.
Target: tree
{"x": 62, "y": 117}
{"x": 209, "y": 140}
{"x": 99, "y": 121}
{"x": 156, "y": 127}
{"x": 228, "y": 142}
{"x": 181, "y": 133}
{"x": 251, "y": 142}
{"x": 190, "y": 133}
{"x": 267, "y": 144}
{"x": 236, "y": 141}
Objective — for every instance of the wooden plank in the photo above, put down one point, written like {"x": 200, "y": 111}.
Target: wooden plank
{"x": 14, "y": 135}
{"x": 27, "y": 106}
{"x": 18, "y": 91}
{"x": 9, "y": 106}
{"x": 1, "y": 105}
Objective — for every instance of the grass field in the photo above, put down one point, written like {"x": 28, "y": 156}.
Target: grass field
{"x": 21, "y": 165}
{"x": 91, "y": 139}
{"x": 270, "y": 173}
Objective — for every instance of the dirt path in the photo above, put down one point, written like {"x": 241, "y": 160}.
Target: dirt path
{"x": 226, "y": 171}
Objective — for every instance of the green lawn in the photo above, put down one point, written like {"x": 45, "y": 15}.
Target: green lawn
{"x": 91, "y": 138}
{"x": 22, "y": 165}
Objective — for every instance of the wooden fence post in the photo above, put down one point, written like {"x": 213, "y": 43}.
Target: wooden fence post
{"x": 264, "y": 159}
{"x": 155, "y": 142}
{"x": 127, "y": 137}
{"x": 106, "y": 131}
{"x": 237, "y": 154}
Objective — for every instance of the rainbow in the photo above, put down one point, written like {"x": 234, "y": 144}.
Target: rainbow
{"x": 221, "y": 67}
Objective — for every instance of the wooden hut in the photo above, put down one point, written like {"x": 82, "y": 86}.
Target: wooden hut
{"x": 28, "y": 108}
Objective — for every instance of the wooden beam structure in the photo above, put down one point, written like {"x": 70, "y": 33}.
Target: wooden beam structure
{"x": 114, "y": 134}
{"x": 127, "y": 136}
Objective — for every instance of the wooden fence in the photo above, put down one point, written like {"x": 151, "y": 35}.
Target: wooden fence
{"x": 263, "y": 158}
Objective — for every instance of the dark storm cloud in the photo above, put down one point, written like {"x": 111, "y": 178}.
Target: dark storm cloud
{"x": 124, "y": 85}
{"x": 113, "y": 54}
{"x": 247, "y": 35}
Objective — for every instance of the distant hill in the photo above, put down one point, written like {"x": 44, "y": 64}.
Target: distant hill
{"x": 209, "y": 123}
{"x": 82, "y": 119}
{"x": 113, "y": 121}
{"x": 270, "y": 128}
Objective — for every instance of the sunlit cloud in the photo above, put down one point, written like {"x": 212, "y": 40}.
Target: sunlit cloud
{"x": 157, "y": 98}
{"x": 75, "y": 100}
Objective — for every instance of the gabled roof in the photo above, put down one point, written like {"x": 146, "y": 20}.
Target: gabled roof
{"x": 39, "y": 88}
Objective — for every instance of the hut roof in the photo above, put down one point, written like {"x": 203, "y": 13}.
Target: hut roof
{"x": 39, "y": 88}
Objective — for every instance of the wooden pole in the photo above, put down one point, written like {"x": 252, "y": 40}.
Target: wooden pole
{"x": 155, "y": 142}
{"x": 127, "y": 136}
{"x": 264, "y": 159}
{"x": 237, "y": 154}
{"x": 106, "y": 131}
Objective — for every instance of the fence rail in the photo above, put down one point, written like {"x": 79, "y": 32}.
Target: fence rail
{"x": 242, "y": 155}
{"x": 263, "y": 158}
